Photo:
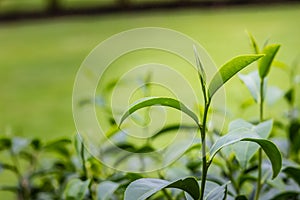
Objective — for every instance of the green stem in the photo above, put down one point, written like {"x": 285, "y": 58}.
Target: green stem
{"x": 204, "y": 159}
{"x": 83, "y": 162}
{"x": 261, "y": 117}
{"x": 261, "y": 105}
{"x": 167, "y": 195}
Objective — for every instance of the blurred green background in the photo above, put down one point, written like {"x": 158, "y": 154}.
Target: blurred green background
{"x": 39, "y": 59}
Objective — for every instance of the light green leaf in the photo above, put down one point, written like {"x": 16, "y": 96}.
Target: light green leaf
{"x": 244, "y": 134}
{"x": 253, "y": 43}
{"x": 159, "y": 101}
{"x": 76, "y": 189}
{"x": 252, "y": 82}
{"x": 217, "y": 193}
{"x": 106, "y": 190}
{"x": 228, "y": 70}
{"x": 244, "y": 151}
{"x": 200, "y": 68}
{"x": 266, "y": 62}
{"x": 273, "y": 94}
{"x": 144, "y": 188}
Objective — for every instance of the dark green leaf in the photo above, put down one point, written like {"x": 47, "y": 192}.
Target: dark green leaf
{"x": 159, "y": 101}
{"x": 244, "y": 134}
{"x": 144, "y": 188}
{"x": 5, "y": 143}
{"x": 266, "y": 62}
{"x": 294, "y": 173}
{"x": 59, "y": 146}
{"x": 287, "y": 195}
{"x": 228, "y": 70}
{"x": 36, "y": 144}
{"x": 241, "y": 197}
{"x": 174, "y": 127}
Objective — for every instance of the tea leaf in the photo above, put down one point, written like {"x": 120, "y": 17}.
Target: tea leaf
{"x": 200, "y": 68}
{"x": 76, "y": 189}
{"x": 218, "y": 193}
{"x": 245, "y": 151}
{"x": 144, "y": 188}
{"x": 174, "y": 127}
{"x": 253, "y": 43}
{"x": 294, "y": 173}
{"x": 252, "y": 82}
{"x": 266, "y": 62}
{"x": 106, "y": 190}
{"x": 228, "y": 70}
{"x": 244, "y": 134}
{"x": 159, "y": 101}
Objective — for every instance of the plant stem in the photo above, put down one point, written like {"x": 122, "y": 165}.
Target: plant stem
{"x": 261, "y": 116}
{"x": 261, "y": 102}
{"x": 204, "y": 159}
{"x": 167, "y": 195}
{"x": 83, "y": 162}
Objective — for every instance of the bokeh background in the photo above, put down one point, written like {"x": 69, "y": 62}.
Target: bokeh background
{"x": 43, "y": 43}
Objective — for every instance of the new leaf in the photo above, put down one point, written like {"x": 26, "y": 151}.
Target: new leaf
{"x": 228, "y": 70}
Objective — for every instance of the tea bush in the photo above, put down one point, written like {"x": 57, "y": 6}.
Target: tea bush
{"x": 250, "y": 161}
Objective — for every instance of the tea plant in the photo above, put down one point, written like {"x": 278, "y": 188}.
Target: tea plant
{"x": 232, "y": 165}
{"x": 144, "y": 188}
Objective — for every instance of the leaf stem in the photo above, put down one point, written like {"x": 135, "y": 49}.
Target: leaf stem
{"x": 261, "y": 116}
{"x": 204, "y": 159}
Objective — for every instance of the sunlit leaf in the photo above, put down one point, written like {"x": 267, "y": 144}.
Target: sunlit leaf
{"x": 200, "y": 68}
{"x": 228, "y": 70}
{"x": 253, "y": 43}
{"x": 252, "y": 82}
{"x": 159, "y": 101}
{"x": 144, "y": 188}
{"x": 266, "y": 62}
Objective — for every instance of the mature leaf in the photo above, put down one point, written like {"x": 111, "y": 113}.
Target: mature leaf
{"x": 287, "y": 195}
{"x": 244, "y": 134}
{"x": 218, "y": 193}
{"x": 144, "y": 188}
{"x": 266, "y": 62}
{"x": 241, "y": 197}
{"x": 159, "y": 101}
{"x": 59, "y": 146}
{"x": 106, "y": 189}
{"x": 294, "y": 173}
{"x": 244, "y": 151}
{"x": 228, "y": 70}
{"x": 76, "y": 189}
